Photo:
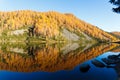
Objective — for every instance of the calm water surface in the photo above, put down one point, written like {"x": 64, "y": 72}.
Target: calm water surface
{"x": 73, "y": 61}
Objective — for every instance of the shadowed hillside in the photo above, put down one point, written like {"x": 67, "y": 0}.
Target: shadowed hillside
{"x": 117, "y": 34}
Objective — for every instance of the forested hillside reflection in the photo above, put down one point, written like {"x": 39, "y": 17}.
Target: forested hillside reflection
{"x": 24, "y": 57}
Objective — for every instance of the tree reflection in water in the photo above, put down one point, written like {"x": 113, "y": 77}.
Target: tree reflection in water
{"x": 49, "y": 57}
{"x": 59, "y": 60}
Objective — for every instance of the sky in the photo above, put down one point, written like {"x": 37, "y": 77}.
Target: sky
{"x": 96, "y": 12}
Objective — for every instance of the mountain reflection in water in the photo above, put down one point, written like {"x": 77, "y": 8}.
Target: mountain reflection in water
{"x": 21, "y": 61}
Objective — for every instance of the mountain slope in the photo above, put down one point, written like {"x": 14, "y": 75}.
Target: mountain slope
{"x": 49, "y": 25}
{"x": 117, "y": 34}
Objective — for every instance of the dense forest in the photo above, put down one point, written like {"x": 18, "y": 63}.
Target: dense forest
{"x": 48, "y": 25}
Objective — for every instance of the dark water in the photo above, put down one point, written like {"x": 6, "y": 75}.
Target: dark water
{"x": 74, "y": 61}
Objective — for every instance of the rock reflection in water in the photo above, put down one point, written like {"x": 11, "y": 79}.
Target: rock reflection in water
{"x": 105, "y": 62}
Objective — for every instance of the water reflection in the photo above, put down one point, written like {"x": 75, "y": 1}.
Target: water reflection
{"x": 54, "y": 60}
{"x": 104, "y": 67}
